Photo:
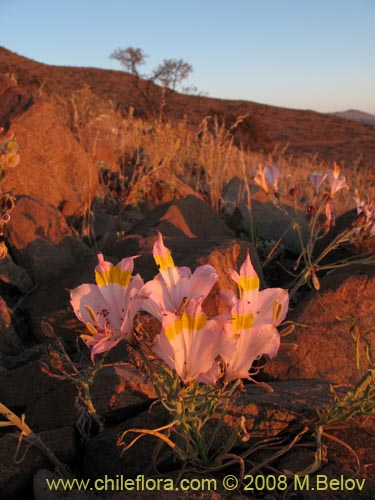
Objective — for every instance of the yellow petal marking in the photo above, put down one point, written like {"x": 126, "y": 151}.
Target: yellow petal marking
{"x": 248, "y": 284}
{"x": 164, "y": 262}
{"x": 243, "y": 322}
{"x": 114, "y": 275}
{"x": 185, "y": 322}
{"x": 173, "y": 331}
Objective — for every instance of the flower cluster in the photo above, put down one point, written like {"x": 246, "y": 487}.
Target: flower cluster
{"x": 321, "y": 204}
{"x": 196, "y": 347}
{"x": 317, "y": 203}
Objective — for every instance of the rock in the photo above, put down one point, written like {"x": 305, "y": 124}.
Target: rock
{"x": 103, "y": 224}
{"x": 41, "y": 242}
{"x": 53, "y": 409}
{"x": 268, "y": 414}
{"x": 360, "y": 438}
{"x": 190, "y": 217}
{"x": 15, "y": 477}
{"x": 51, "y": 302}
{"x": 270, "y": 222}
{"x": 14, "y": 276}
{"x": 235, "y": 193}
{"x": 103, "y": 456}
{"x": 326, "y": 321}
{"x": 117, "y": 393}
{"x": 173, "y": 188}
{"x": 23, "y": 385}
{"x": 10, "y": 343}
{"x": 13, "y": 101}
{"x": 121, "y": 391}
{"x": 53, "y": 167}
{"x": 24, "y": 357}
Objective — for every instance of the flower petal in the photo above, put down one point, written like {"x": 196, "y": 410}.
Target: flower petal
{"x": 259, "y": 341}
{"x": 164, "y": 261}
{"x": 202, "y": 281}
{"x": 270, "y": 306}
{"x": 189, "y": 343}
{"x": 247, "y": 280}
{"x": 108, "y": 274}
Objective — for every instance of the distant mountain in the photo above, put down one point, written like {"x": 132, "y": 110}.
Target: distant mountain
{"x": 356, "y": 115}
{"x": 320, "y": 137}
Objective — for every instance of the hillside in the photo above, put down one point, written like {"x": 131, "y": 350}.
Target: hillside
{"x": 300, "y": 132}
{"x": 357, "y": 115}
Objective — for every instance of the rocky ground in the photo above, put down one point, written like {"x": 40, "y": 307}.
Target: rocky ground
{"x": 54, "y": 184}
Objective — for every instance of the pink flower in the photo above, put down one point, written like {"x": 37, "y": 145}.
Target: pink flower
{"x": 251, "y": 331}
{"x": 189, "y": 343}
{"x": 174, "y": 286}
{"x": 267, "y": 176}
{"x": 272, "y": 175}
{"x": 316, "y": 180}
{"x": 336, "y": 180}
{"x": 108, "y": 308}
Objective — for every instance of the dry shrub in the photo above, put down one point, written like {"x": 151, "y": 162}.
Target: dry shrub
{"x": 149, "y": 153}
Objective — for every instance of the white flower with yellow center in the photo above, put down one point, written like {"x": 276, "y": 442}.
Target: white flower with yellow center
{"x": 108, "y": 308}
{"x": 251, "y": 331}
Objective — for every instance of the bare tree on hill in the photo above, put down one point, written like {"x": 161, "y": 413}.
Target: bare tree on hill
{"x": 171, "y": 72}
{"x": 130, "y": 58}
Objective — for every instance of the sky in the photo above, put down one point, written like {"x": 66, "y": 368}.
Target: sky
{"x": 304, "y": 54}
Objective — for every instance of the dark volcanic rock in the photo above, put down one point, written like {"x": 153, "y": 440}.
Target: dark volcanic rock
{"x": 14, "y": 276}
{"x": 51, "y": 302}
{"x": 41, "y": 242}
{"x": 190, "y": 217}
{"x": 117, "y": 393}
{"x": 270, "y": 222}
{"x": 23, "y": 385}
{"x": 16, "y": 476}
{"x": 9, "y": 340}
